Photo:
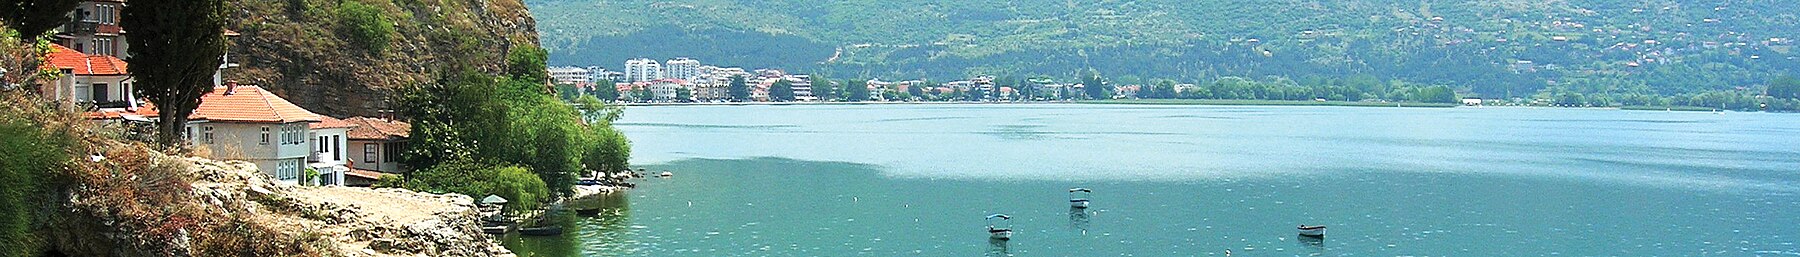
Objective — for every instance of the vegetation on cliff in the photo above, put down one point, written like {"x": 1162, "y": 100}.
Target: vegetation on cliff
{"x": 348, "y": 57}
{"x": 484, "y": 127}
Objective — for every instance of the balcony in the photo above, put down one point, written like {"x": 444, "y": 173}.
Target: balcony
{"x": 82, "y": 27}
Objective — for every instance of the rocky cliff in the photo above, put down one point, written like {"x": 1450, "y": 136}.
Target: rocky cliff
{"x": 157, "y": 205}
{"x": 301, "y": 50}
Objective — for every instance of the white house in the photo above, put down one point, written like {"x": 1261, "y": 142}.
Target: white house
{"x": 329, "y": 138}
{"x": 99, "y": 80}
{"x": 250, "y": 123}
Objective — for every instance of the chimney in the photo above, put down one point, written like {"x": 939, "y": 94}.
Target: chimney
{"x": 231, "y": 87}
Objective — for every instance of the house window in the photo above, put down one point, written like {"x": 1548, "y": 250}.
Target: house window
{"x": 209, "y": 134}
{"x": 104, "y": 46}
{"x": 265, "y": 135}
{"x": 106, "y": 13}
{"x": 189, "y": 135}
{"x": 84, "y": 92}
{"x": 100, "y": 92}
{"x": 369, "y": 153}
{"x": 319, "y": 144}
{"x": 337, "y": 149}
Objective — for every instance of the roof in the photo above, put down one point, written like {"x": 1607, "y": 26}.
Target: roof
{"x": 362, "y": 173}
{"x": 249, "y": 103}
{"x": 83, "y": 64}
{"x": 378, "y": 129}
{"x": 327, "y": 122}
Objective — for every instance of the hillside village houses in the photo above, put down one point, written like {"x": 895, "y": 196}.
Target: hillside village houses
{"x": 235, "y": 121}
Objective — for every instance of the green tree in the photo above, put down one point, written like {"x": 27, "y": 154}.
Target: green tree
{"x": 606, "y": 90}
{"x": 858, "y": 92}
{"x": 175, "y": 48}
{"x": 683, "y": 94}
{"x": 595, "y": 112}
{"x": 642, "y": 94}
{"x": 610, "y": 152}
{"x": 781, "y": 91}
{"x": 1785, "y": 87}
{"x": 739, "y": 90}
{"x": 365, "y": 25}
{"x": 824, "y": 89}
{"x": 33, "y": 18}
{"x": 568, "y": 92}
{"x": 528, "y": 64}
{"x": 1094, "y": 86}
{"x": 916, "y": 90}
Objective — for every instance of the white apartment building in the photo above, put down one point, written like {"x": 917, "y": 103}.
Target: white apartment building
{"x": 682, "y": 68}
{"x": 570, "y": 75}
{"x": 642, "y": 70}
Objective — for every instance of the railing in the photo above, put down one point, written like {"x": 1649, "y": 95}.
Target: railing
{"x": 82, "y": 27}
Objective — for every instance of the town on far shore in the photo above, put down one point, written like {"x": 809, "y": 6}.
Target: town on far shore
{"x": 689, "y": 81}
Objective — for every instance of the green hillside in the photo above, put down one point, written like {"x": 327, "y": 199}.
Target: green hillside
{"x": 1493, "y": 48}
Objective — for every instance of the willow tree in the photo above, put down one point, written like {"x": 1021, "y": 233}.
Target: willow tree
{"x": 33, "y": 18}
{"x": 176, "y": 47}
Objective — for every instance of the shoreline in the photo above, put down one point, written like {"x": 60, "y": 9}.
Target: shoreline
{"x": 1197, "y": 102}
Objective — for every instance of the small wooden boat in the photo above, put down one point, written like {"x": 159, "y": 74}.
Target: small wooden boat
{"x": 999, "y": 227}
{"x": 588, "y": 212}
{"x": 1312, "y": 231}
{"x": 495, "y": 230}
{"x": 1078, "y": 197}
{"x": 541, "y": 231}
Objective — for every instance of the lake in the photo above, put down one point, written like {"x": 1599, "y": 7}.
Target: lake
{"x": 917, "y": 180}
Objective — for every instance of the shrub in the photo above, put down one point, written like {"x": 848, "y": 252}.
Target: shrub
{"x": 365, "y": 25}
{"x": 36, "y": 145}
{"x": 389, "y": 181}
{"x": 522, "y": 188}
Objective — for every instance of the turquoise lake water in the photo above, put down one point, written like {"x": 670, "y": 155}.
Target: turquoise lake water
{"x": 1198, "y": 180}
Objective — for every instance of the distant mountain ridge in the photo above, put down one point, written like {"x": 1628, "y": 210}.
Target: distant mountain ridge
{"x": 1493, "y": 48}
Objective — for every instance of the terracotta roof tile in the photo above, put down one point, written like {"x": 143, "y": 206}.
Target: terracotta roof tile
{"x": 249, "y": 103}
{"x": 362, "y": 173}
{"x": 378, "y": 129}
{"x": 327, "y": 122}
{"x": 83, "y": 64}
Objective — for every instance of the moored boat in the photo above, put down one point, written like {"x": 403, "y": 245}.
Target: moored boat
{"x": 999, "y": 227}
{"x": 1078, "y": 197}
{"x": 1312, "y": 231}
{"x": 541, "y": 231}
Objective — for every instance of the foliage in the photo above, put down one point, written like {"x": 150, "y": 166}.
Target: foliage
{"x": 31, "y": 156}
{"x": 309, "y": 177}
{"x": 1785, "y": 87}
{"x": 175, "y": 48}
{"x": 365, "y": 25}
{"x": 390, "y": 181}
{"x": 1489, "y": 49}
{"x": 506, "y": 121}
{"x": 824, "y": 88}
{"x": 683, "y": 94}
{"x": 739, "y": 90}
{"x": 519, "y": 185}
{"x": 527, "y": 64}
{"x": 1094, "y": 86}
{"x": 606, "y": 90}
{"x": 857, "y": 91}
{"x": 781, "y": 91}
{"x": 610, "y": 152}
{"x": 34, "y": 18}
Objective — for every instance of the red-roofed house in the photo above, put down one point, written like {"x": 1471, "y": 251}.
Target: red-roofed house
{"x": 94, "y": 28}
{"x": 253, "y": 124}
{"x": 376, "y": 144}
{"x": 329, "y": 157}
{"x": 89, "y": 79}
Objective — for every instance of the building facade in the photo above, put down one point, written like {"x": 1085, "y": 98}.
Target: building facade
{"x": 93, "y": 28}
{"x": 682, "y": 68}
{"x": 375, "y": 146}
{"x": 570, "y": 75}
{"x": 96, "y": 80}
{"x": 641, "y": 70}
{"x": 249, "y": 123}
{"x": 330, "y": 156}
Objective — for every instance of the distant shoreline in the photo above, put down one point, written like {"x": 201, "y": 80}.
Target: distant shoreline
{"x": 1197, "y": 102}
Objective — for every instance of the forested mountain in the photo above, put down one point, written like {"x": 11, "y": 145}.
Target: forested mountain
{"x": 1492, "y": 48}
